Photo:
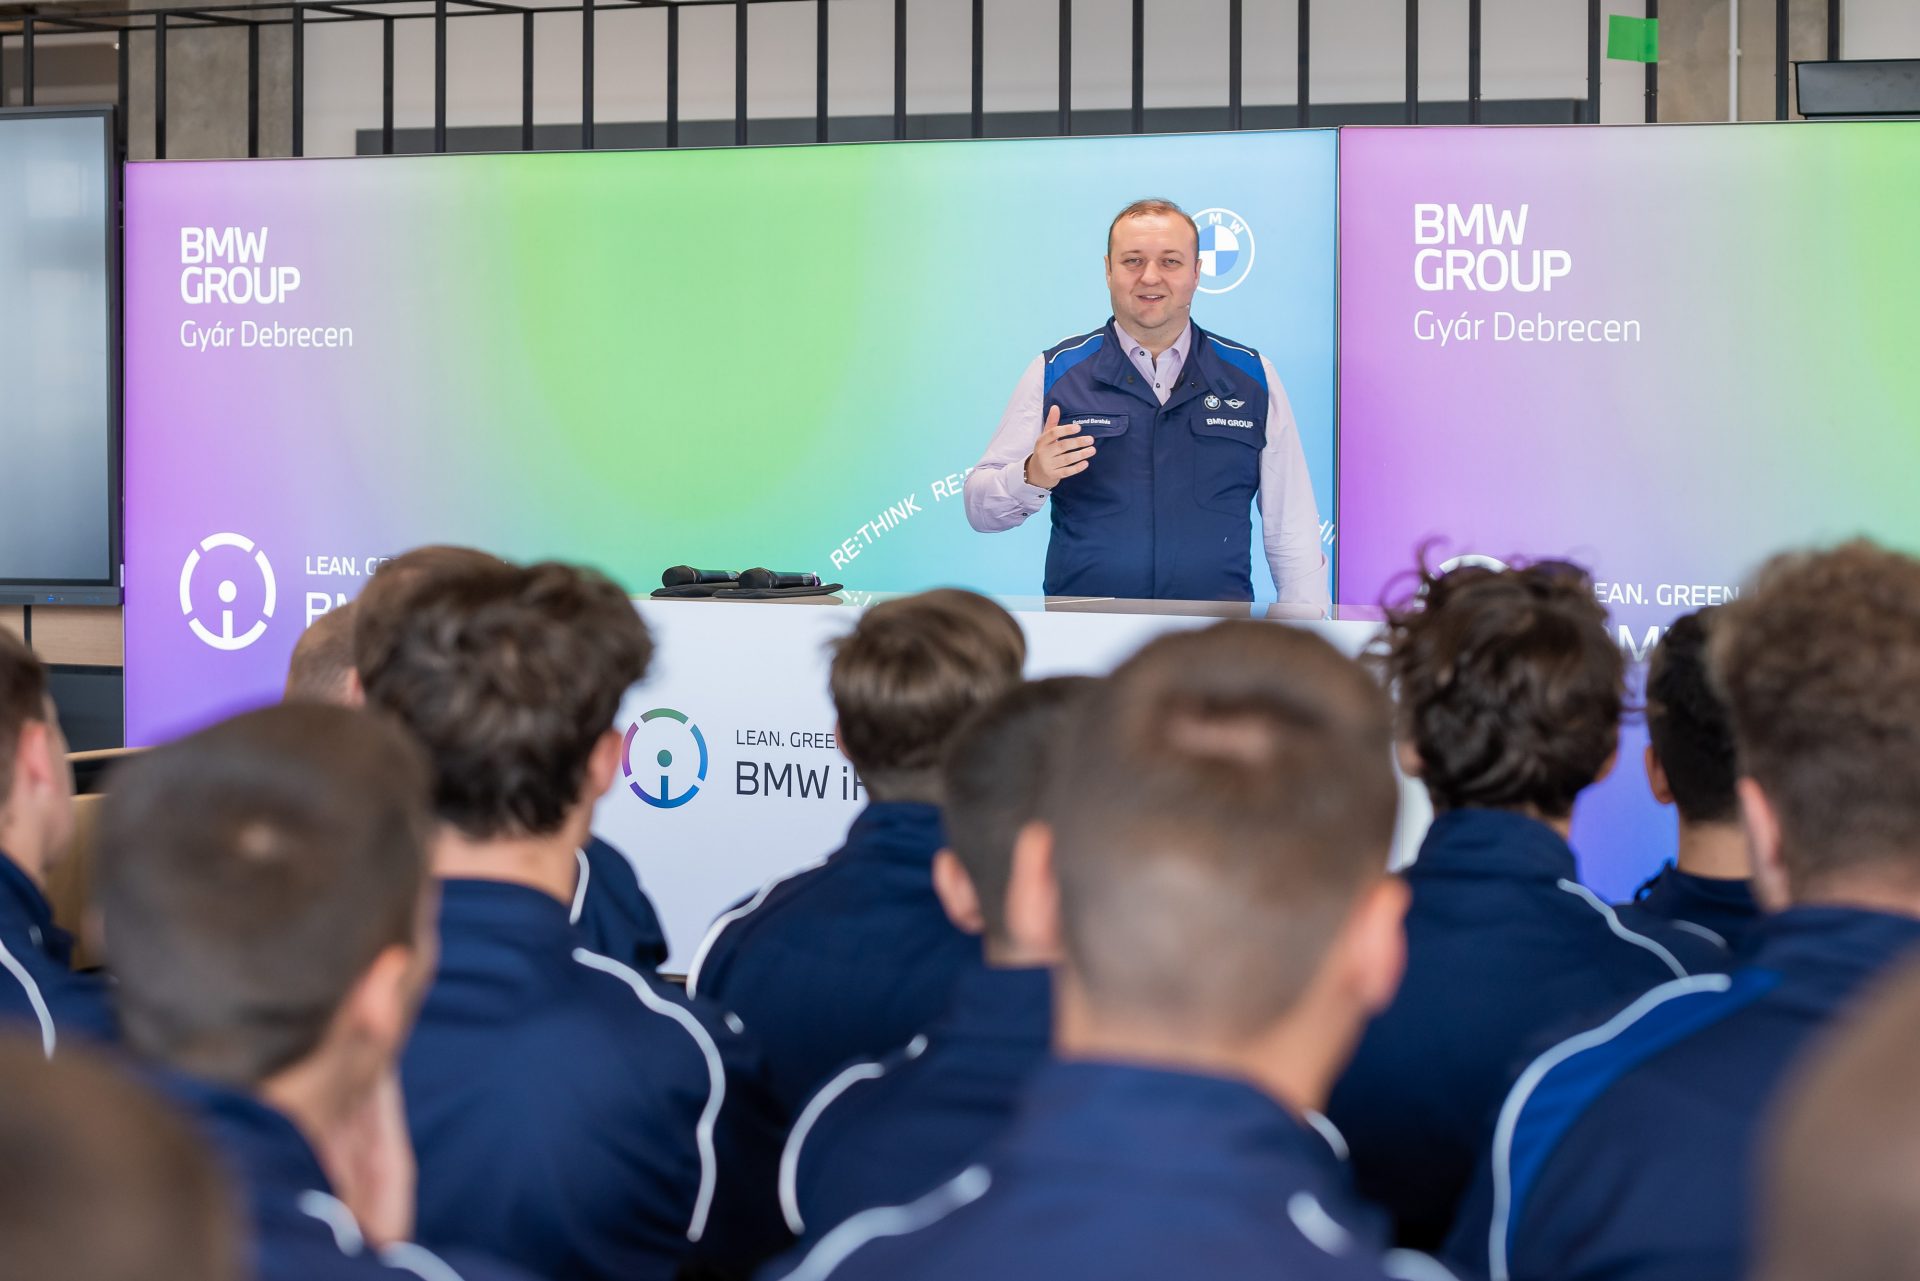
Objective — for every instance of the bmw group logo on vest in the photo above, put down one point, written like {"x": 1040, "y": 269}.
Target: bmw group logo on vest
{"x": 667, "y": 750}
{"x": 1226, "y": 250}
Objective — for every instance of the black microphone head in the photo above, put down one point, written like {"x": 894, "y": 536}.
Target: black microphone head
{"x": 761, "y": 579}
{"x": 687, "y": 576}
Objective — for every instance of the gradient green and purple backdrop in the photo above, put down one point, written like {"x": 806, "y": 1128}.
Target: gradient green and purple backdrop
{"x": 721, "y": 358}
{"x": 1774, "y": 399}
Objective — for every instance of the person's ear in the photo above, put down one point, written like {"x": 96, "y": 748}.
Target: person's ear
{"x": 1771, "y": 886}
{"x": 957, "y": 894}
{"x": 352, "y": 692}
{"x": 1371, "y": 949}
{"x": 603, "y": 765}
{"x": 1657, "y": 778}
{"x": 1033, "y": 897}
{"x": 379, "y": 1008}
{"x": 1408, "y": 756}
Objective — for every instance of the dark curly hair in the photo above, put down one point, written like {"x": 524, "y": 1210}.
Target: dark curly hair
{"x": 1507, "y": 685}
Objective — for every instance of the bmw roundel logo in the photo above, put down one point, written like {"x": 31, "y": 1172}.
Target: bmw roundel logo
{"x": 1212, "y": 401}
{"x": 1226, "y": 250}
{"x": 665, "y": 749}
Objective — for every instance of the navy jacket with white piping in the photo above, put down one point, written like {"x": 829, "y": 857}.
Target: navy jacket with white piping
{"x": 613, "y": 915}
{"x": 574, "y": 1115}
{"x": 1628, "y": 1152}
{"x": 1503, "y": 947}
{"x": 1718, "y": 908}
{"x": 849, "y": 959}
{"x": 40, "y": 995}
{"x": 296, "y": 1229}
{"x": 886, "y": 1131}
{"x": 1120, "y": 1172}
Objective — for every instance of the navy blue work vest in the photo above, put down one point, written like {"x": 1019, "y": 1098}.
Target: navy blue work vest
{"x": 1165, "y": 511}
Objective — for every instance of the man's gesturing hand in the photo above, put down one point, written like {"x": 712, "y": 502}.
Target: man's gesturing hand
{"x": 1057, "y": 454}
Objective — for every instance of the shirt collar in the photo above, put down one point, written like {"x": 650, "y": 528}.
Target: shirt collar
{"x": 1181, "y": 345}
{"x": 1170, "y": 1122}
{"x": 1673, "y": 887}
{"x": 1488, "y": 842}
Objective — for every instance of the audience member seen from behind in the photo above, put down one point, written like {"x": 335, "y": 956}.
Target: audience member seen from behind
{"x": 611, "y": 913}
{"x": 100, "y": 1181}
{"x": 884, "y": 1131}
{"x": 1628, "y": 1153}
{"x": 1509, "y": 695}
{"x": 1690, "y": 766}
{"x": 1219, "y": 820}
{"x": 39, "y": 993}
{"x": 265, "y": 898}
{"x": 1840, "y": 1200}
{"x": 321, "y": 669}
{"x": 853, "y": 957}
{"x": 570, "y": 1114}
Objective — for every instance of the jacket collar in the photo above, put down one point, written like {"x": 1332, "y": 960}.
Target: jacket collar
{"x": 903, "y": 832}
{"x": 1672, "y": 892}
{"x": 1160, "y": 1120}
{"x": 1837, "y": 947}
{"x": 267, "y": 1149}
{"x": 1007, "y": 1006}
{"x": 1487, "y": 842}
{"x": 520, "y": 916}
{"x": 24, "y": 908}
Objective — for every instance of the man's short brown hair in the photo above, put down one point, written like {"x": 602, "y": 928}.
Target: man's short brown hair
{"x": 995, "y": 774}
{"x": 1819, "y": 662}
{"x": 910, "y": 671}
{"x": 381, "y": 604}
{"x": 1218, "y": 806}
{"x": 99, "y": 1181}
{"x": 23, "y": 698}
{"x": 509, "y": 676}
{"x": 321, "y": 669}
{"x": 1507, "y": 685}
{"x": 1841, "y": 1202}
{"x": 249, "y": 874}
{"x": 1152, "y": 207}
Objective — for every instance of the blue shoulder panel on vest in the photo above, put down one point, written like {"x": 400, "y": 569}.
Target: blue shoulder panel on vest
{"x": 1070, "y": 353}
{"x": 1568, "y": 1079}
{"x": 1246, "y": 361}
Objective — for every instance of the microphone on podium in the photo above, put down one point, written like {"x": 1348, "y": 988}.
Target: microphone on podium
{"x": 688, "y": 576}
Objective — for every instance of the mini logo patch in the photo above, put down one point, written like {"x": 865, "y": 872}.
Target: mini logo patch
{"x": 1213, "y": 402}
{"x": 1232, "y": 404}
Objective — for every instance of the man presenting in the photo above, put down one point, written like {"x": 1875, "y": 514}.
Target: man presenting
{"x": 1153, "y": 439}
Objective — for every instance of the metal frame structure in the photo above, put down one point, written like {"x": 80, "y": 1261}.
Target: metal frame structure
{"x": 299, "y": 15}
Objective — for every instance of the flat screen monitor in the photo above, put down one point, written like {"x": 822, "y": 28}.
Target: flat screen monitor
{"x": 59, "y": 496}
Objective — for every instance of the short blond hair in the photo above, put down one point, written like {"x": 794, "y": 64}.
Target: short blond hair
{"x": 1151, "y": 207}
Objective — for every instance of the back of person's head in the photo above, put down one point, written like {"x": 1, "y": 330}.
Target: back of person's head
{"x": 1218, "y": 811}
{"x": 511, "y": 678}
{"x": 382, "y": 603}
{"x": 910, "y": 671}
{"x": 995, "y": 773}
{"x": 1687, "y": 728}
{"x": 1508, "y": 687}
{"x": 99, "y": 1181}
{"x": 1841, "y": 1202}
{"x": 33, "y": 758}
{"x": 321, "y": 669}
{"x": 1819, "y": 664}
{"x": 252, "y": 875}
